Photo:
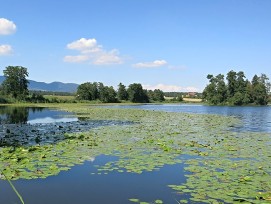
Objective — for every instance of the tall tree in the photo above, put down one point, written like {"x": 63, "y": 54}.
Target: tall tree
{"x": 238, "y": 91}
{"x": 232, "y": 83}
{"x": 216, "y": 91}
{"x": 240, "y": 96}
{"x": 260, "y": 89}
{"x": 107, "y": 94}
{"x": 137, "y": 94}
{"x": 15, "y": 83}
{"x": 87, "y": 91}
{"x": 122, "y": 92}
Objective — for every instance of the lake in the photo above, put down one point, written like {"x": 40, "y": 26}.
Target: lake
{"x": 83, "y": 182}
{"x": 254, "y": 118}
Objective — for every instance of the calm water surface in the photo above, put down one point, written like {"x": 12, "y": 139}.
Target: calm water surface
{"x": 254, "y": 118}
{"x": 79, "y": 186}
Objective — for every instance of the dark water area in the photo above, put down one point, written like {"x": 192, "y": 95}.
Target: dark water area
{"x": 253, "y": 118}
{"x": 79, "y": 185}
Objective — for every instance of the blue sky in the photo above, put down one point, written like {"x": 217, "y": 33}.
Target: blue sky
{"x": 171, "y": 45}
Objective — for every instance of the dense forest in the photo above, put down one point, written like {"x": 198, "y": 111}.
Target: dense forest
{"x": 237, "y": 90}
{"x": 106, "y": 94}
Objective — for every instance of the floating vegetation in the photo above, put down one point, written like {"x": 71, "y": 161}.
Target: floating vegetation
{"x": 222, "y": 166}
{"x": 46, "y": 133}
{"x": 135, "y": 200}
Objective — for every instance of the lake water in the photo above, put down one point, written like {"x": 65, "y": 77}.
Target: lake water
{"x": 78, "y": 185}
{"x": 33, "y": 115}
{"x": 254, "y": 118}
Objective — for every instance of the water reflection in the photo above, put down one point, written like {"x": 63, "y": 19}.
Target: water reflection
{"x": 13, "y": 115}
{"x": 32, "y": 115}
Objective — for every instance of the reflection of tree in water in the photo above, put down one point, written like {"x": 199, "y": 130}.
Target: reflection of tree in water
{"x": 15, "y": 115}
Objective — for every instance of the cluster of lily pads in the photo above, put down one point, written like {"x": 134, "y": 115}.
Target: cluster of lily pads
{"x": 225, "y": 166}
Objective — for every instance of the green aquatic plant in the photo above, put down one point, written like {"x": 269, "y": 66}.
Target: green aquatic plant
{"x": 221, "y": 165}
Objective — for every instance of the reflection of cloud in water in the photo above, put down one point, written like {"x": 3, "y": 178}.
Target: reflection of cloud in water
{"x": 51, "y": 120}
{"x": 91, "y": 159}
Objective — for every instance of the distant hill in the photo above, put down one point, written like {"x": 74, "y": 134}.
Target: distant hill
{"x": 54, "y": 86}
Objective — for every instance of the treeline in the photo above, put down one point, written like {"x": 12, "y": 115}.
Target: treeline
{"x": 15, "y": 88}
{"x": 237, "y": 90}
{"x": 107, "y": 94}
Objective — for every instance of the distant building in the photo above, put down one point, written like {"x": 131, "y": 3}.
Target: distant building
{"x": 191, "y": 95}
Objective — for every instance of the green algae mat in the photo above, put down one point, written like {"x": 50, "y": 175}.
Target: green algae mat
{"x": 221, "y": 164}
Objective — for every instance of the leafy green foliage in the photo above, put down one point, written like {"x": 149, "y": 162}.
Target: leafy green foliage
{"x": 122, "y": 92}
{"x": 156, "y": 95}
{"x": 137, "y": 94}
{"x": 15, "y": 83}
{"x": 237, "y": 91}
{"x": 215, "y": 92}
{"x": 87, "y": 91}
{"x": 107, "y": 94}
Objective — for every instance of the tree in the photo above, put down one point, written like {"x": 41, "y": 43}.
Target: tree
{"x": 15, "y": 83}
{"x": 232, "y": 83}
{"x": 107, "y": 94}
{"x": 87, "y": 91}
{"x": 137, "y": 94}
{"x": 156, "y": 95}
{"x": 260, "y": 89}
{"x": 215, "y": 92}
{"x": 238, "y": 91}
{"x": 122, "y": 92}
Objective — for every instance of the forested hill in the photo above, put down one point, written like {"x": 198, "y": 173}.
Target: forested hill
{"x": 54, "y": 86}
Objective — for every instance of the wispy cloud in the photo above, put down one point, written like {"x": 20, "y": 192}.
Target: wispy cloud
{"x": 76, "y": 58}
{"x": 181, "y": 67}
{"x": 170, "y": 88}
{"x": 5, "y": 50}
{"x": 7, "y": 27}
{"x": 155, "y": 63}
{"x": 91, "y": 51}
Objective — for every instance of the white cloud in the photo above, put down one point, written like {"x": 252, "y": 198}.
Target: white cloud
{"x": 156, "y": 63}
{"x": 76, "y": 59}
{"x": 111, "y": 57}
{"x": 82, "y": 44}
{"x": 91, "y": 51}
{"x": 191, "y": 89}
{"x": 6, "y": 27}
{"x": 5, "y": 50}
{"x": 170, "y": 88}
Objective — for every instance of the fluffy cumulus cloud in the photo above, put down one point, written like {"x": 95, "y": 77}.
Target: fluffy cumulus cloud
{"x": 5, "y": 50}
{"x": 90, "y": 51}
{"x": 156, "y": 63}
{"x": 170, "y": 88}
{"x": 7, "y": 27}
{"x": 83, "y": 44}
